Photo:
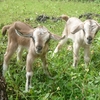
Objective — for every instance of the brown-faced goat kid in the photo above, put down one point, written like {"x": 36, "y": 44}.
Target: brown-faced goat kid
{"x": 38, "y": 47}
{"x": 82, "y": 34}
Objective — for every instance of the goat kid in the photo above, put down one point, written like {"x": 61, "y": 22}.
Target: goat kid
{"x": 82, "y": 35}
{"x": 39, "y": 39}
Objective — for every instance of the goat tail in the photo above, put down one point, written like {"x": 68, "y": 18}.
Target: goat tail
{"x": 4, "y": 29}
{"x": 65, "y": 17}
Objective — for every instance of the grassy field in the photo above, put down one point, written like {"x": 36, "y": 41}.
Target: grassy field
{"x": 70, "y": 84}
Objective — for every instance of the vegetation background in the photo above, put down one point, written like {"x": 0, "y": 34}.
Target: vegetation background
{"x": 70, "y": 83}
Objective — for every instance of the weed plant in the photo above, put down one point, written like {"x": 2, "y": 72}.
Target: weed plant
{"x": 70, "y": 83}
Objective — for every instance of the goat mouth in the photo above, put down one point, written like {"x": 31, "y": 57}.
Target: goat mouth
{"x": 38, "y": 52}
{"x": 89, "y": 42}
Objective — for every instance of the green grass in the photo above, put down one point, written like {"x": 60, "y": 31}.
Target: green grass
{"x": 70, "y": 83}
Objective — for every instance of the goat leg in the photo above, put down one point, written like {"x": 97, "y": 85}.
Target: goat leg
{"x": 29, "y": 72}
{"x": 9, "y": 52}
{"x": 75, "y": 53}
{"x": 45, "y": 66}
{"x": 59, "y": 45}
{"x": 87, "y": 55}
{"x": 28, "y": 81}
{"x": 19, "y": 53}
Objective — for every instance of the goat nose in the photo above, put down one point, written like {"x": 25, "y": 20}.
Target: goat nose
{"x": 39, "y": 47}
{"x": 89, "y": 38}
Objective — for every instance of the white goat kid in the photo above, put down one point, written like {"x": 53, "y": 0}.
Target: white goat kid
{"x": 39, "y": 39}
{"x": 82, "y": 34}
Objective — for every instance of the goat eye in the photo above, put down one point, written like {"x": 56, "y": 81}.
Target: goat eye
{"x": 93, "y": 26}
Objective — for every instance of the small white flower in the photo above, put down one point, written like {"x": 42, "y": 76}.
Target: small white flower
{"x": 87, "y": 70}
{"x": 69, "y": 48}
{"x": 58, "y": 88}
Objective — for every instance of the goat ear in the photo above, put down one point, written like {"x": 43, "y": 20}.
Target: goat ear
{"x": 77, "y": 28}
{"x": 56, "y": 37}
{"x": 23, "y": 35}
{"x": 99, "y": 26}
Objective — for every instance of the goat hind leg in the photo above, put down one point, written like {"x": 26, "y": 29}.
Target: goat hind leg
{"x": 9, "y": 52}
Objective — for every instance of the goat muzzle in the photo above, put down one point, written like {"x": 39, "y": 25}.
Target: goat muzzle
{"x": 38, "y": 49}
{"x": 89, "y": 40}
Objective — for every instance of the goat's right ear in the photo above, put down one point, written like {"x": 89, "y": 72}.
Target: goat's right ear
{"x": 77, "y": 28}
{"x": 23, "y": 35}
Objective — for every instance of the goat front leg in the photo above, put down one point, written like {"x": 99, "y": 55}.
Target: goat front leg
{"x": 29, "y": 72}
{"x": 45, "y": 66}
{"x": 75, "y": 53}
{"x": 59, "y": 45}
{"x": 87, "y": 55}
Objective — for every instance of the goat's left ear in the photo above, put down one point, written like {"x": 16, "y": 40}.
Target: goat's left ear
{"x": 77, "y": 28}
{"x": 99, "y": 26}
{"x": 56, "y": 37}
